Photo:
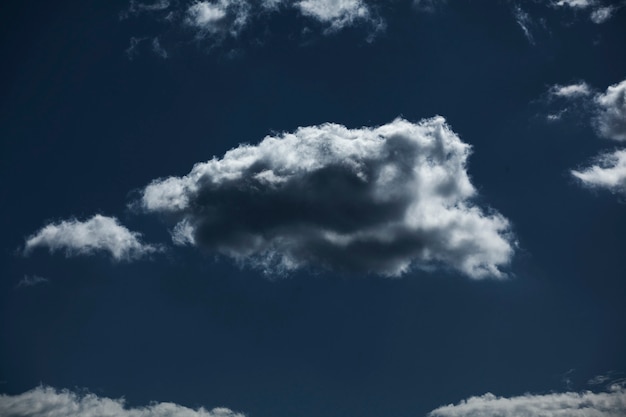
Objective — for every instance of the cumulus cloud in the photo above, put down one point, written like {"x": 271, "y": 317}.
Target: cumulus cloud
{"x": 369, "y": 200}
{"x": 571, "y": 404}
{"x": 602, "y": 14}
{"x": 608, "y": 171}
{"x": 97, "y": 234}
{"x": 50, "y": 402}
{"x": 576, "y": 4}
{"x": 611, "y": 108}
{"x": 218, "y": 17}
{"x": 337, "y": 14}
{"x": 580, "y": 89}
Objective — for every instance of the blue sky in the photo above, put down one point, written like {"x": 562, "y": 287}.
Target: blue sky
{"x": 313, "y": 208}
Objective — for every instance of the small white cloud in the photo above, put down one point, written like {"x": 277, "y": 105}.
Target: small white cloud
{"x": 337, "y": 14}
{"x": 376, "y": 199}
{"x": 611, "y": 107}
{"x": 218, "y": 17}
{"x": 575, "y": 4}
{"x": 602, "y": 14}
{"x": 570, "y": 404}
{"x": 98, "y": 234}
{"x": 524, "y": 21}
{"x": 50, "y": 402}
{"x": 31, "y": 281}
{"x": 137, "y": 7}
{"x": 580, "y": 89}
{"x": 608, "y": 171}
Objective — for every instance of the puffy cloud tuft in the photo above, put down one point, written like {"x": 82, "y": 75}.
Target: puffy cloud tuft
{"x": 576, "y": 4}
{"x": 580, "y": 89}
{"x": 98, "y": 234}
{"x": 611, "y": 107}
{"x": 335, "y": 13}
{"x": 608, "y": 171}
{"x": 370, "y": 200}
{"x": 50, "y": 402}
{"x": 571, "y": 404}
{"x": 218, "y": 17}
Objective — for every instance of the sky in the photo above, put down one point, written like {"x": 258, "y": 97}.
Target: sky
{"x": 304, "y": 208}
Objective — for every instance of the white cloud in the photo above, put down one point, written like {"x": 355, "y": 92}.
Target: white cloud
{"x": 98, "y": 234}
{"x": 219, "y": 16}
{"x": 336, "y": 13}
{"x": 377, "y": 200}
{"x": 137, "y": 7}
{"x": 576, "y": 4}
{"x": 570, "y": 404}
{"x": 50, "y": 402}
{"x": 580, "y": 89}
{"x": 31, "y": 281}
{"x": 524, "y": 21}
{"x": 602, "y": 14}
{"x": 611, "y": 107}
{"x": 608, "y": 171}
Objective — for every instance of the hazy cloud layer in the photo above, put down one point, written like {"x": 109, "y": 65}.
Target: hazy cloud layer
{"x": 611, "y": 106}
{"x": 97, "y": 234}
{"x": 50, "y": 402}
{"x": 570, "y": 404}
{"x": 607, "y": 171}
{"x": 376, "y": 200}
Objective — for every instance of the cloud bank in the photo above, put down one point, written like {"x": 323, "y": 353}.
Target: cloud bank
{"x": 97, "y": 234}
{"x": 571, "y": 404}
{"x": 50, "y": 402}
{"x": 371, "y": 200}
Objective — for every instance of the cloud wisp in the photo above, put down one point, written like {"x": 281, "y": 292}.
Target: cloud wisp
{"x": 97, "y": 234}
{"x": 572, "y": 404}
{"x": 607, "y": 171}
{"x": 371, "y": 200}
{"x": 49, "y": 402}
{"x": 31, "y": 281}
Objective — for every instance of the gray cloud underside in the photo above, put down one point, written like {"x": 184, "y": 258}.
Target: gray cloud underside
{"x": 97, "y": 234}
{"x": 371, "y": 200}
{"x": 50, "y": 402}
{"x": 570, "y": 404}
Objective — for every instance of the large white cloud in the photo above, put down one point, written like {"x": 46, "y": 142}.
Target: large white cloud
{"x": 580, "y": 89}
{"x": 608, "y": 171}
{"x": 611, "y": 118}
{"x": 50, "y": 402}
{"x": 376, "y": 200}
{"x": 97, "y": 234}
{"x": 570, "y": 404}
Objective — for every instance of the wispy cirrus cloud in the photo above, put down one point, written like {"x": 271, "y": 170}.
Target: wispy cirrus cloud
{"x": 31, "y": 281}
{"x": 99, "y": 234}
{"x": 611, "y": 403}
{"x": 606, "y": 171}
{"x": 50, "y": 402}
{"x": 370, "y": 200}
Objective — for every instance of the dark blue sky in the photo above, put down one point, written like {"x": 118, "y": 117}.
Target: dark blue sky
{"x": 83, "y": 128}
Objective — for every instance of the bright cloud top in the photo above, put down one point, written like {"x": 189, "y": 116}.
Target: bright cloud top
{"x": 98, "y": 234}
{"x": 607, "y": 172}
{"x": 611, "y": 118}
{"x": 218, "y": 16}
{"x": 571, "y": 404}
{"x": 336, "y": 13}
{"x": 49, "y": 402}
{"x": 577, "y": 4}
{"x": 376, "y": 200}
